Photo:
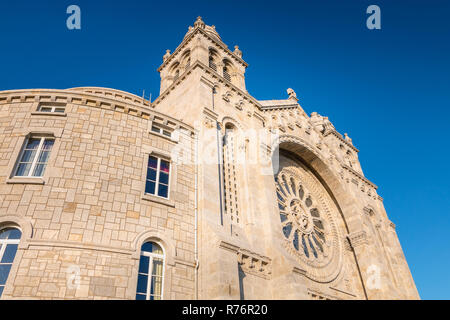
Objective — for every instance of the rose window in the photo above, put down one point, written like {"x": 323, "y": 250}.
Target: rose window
{"x": 309, "y": 215}
{"x": 301, "y": 220}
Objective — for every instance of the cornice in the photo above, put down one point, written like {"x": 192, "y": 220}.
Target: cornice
{"x": 214, "y": 74}
{"x": 126, "y": 96}
{"x": 209, "y": 113}
{"x": 88, "y": 100}
{"x": 251, "y": 262}
{"x": 358, "y": 238}
{"x": 287, "y": 106}
{"x": 339, "y": 136}
{"x": 359, "y": 176}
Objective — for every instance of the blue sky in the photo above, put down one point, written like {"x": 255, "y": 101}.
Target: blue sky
{"x": 389, "y": 88}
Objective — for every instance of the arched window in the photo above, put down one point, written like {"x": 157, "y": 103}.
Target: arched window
{"x": 151, "y": 272}
{"x": 186, "y": 59}
{"x": 227, "y": 69}
{"x": 174, "y": 70}
{"x": 230, "y": 182}
{"x": 9, "y": 242}
{"x": 226, "y": 73}
{"x": 213, "y": 56}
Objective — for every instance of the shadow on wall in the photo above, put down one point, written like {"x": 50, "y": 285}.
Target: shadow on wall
{"x": 241, "y": 282}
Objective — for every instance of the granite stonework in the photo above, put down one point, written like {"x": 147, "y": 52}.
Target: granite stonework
{"x": 265, "y": 201}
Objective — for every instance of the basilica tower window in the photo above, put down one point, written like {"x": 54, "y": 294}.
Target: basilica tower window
{"x": 213, "y": 57}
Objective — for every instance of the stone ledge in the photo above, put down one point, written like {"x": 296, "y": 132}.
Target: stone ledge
{"x": 78, "y": 245}
{"x": 343, "y": 292}
{"x": 52, "y": 114}
{"x": 152, "y": 198}
{"x": 25, "y": 180}
{"x": 358, "y": 238}
{"x": 360, "y": 176}
{"x": 299, "y": 271}
{"x": 190, "y": 264}
{"x": 250, "y": 262}
{"x": 86, "y": 100}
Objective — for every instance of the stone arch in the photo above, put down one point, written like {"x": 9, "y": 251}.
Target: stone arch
{"x": 174, "y": 68}
{"x": 164, "y": 240}
{"x": 159, "y": 237}
{"x": 227, "y": 62}
{"x": 228, "y": 69}
{"x": 213, "y": 58}
{"x": 348, "y": 210}
{"x": 213, "y": 51}
{"x": 185, "y": 59}
{"x": 234, "y": 158}
{"x": 22, "y": 223}
{"x": 306, "y": 153}
{"x": 230, "y": 120}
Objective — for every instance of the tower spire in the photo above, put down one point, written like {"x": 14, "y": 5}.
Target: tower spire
{"x": 199, "y": 23}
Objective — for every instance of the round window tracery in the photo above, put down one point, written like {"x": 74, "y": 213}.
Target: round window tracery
{"x": 307, "y": 216}
{"x": 301, "y": 220}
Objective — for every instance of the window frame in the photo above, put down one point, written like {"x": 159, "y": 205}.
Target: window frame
{"x": 161, "y": 130}
{"x": 3, "y": 244}
{"x": 36, "y": 157}
{"x": 152, "y": 255}
{"x": 226, "y": 74}
{"x": 158, "y": 171}
{"x": 52, "y": 108}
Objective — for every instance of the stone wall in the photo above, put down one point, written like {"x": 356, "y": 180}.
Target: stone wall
{"x": 89, "y": 210}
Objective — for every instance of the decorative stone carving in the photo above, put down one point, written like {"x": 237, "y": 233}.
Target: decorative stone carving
{"x": 358, "y": 238}
{"x": 239, "y": 105}
{"x": 237, "y": 51}
{"x": 227, "y": 96}
{"x": 167, "y": 55}
{"x": 199, "y": 23}
{"x": 307, "y": 216}
{"x": 321, "y": 124}
{"x": 348, "y": 139}
{"x": 250, "y": 262}
{"x": 254, "y": 263}
{"x": 292, "y": 94}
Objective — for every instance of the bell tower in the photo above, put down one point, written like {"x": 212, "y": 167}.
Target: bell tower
{"x": 202, "y": 44}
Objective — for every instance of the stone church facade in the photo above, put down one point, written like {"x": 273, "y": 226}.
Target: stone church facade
{"x": 204, "y": 193}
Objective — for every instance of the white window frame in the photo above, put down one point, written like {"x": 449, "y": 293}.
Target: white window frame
{"x": 158, "y": 169}
{"x": 52, "y": 108}
{"x": 3, "y": 244}
{"x": 152, "y": 255}
{"x": 36, "y": 156}
{"x": 161, "y": 130}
